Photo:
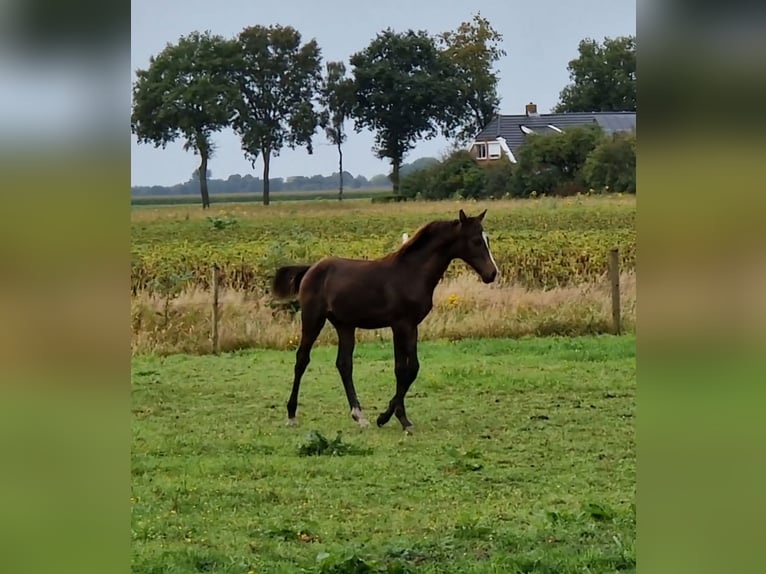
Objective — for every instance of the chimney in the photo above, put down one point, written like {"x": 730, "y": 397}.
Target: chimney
{"x": 532, "y": 109}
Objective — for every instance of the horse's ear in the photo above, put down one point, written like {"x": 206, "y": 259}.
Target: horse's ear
{"x": 481, "y": 215}
{"x": 463, "y": 216}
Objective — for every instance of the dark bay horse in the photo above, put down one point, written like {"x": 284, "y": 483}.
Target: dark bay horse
{"x": 393, "y": 291}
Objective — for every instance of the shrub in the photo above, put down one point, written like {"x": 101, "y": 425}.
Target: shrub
{"x": 553, "y": 163}
{"x": 497, "y": 176}
{"x": 457, "y": 176}
{"x": 611, "y": 166}
{"x": 416, "y": 183}
{"x": 388, "y": 198}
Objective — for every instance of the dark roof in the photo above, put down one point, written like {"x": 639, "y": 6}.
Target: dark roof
{"x": 509, "y": 127}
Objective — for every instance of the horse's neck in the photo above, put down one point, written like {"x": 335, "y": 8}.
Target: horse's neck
{"x": 433, "y": 263}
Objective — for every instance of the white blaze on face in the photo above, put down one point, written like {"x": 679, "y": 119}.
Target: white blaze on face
{"x": 486, "y": 244}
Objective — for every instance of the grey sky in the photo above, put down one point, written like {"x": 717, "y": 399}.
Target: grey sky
{"x": 540, "y": 37}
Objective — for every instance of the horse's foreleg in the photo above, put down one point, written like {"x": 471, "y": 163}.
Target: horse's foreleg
{"x": 345, "y": 366}
{"x": 311, "y": 325}
{"x": 406, "y": 367}
{"x": 413, "y": 366}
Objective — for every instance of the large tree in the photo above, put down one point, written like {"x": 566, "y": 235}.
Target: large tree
{"x": 406, "y": 90}
{"x": 337, "y": 99}
{"x": 277, "y": 78}
{"x": 603, "y": 77}
{"x": 185, "y": 92}
{"x": 474, "y": 48}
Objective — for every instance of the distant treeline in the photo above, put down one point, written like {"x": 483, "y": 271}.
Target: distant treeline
{"x": 218, "y": 198}
{"x": 250, "y": 184}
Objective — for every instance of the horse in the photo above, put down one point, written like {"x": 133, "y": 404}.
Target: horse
{"x": 394, "y": 291}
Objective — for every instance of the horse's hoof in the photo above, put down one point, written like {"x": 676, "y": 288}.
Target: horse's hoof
{"x": 409, "y": 429}
{"x": 292, "y": 422}
{"x": 382, "y": 420}
{"x": 357, "y": 415}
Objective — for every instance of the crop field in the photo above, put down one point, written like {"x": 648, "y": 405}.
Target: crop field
{"x": 551, "y": 252}
{"x": 546, "y": 243}
{"x": 522, "y": 461}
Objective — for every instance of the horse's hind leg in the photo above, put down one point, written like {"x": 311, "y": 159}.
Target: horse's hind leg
{"x": 312, "y": 321}
{"x": 345, "y": 365}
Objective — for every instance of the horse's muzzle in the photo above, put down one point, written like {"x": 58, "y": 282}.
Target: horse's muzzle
{"x": 489, "y": 277}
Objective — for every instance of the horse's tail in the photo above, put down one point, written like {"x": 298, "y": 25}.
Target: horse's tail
{"x": 288, "y": 279}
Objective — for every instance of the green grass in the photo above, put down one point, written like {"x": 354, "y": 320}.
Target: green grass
{"x": 522, "y": 461}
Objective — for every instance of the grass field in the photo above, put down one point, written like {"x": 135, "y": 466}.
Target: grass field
{"x": 522, "y": 461}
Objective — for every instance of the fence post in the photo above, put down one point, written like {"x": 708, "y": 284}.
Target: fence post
{"x": 614, "y": 280}
{"x": 216, "y": 309}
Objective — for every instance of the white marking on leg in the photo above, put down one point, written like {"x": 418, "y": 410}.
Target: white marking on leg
{"x": 357, "y": 415}
{"x": 405, "y": 238}
{"x": 291, "y": 422}
{"x": 486, "y": 244}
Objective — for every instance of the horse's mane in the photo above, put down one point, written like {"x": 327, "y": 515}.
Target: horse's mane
{"x": 423, "y": 237}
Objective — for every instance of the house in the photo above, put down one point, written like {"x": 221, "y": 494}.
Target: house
{"x": 506, "y": 133}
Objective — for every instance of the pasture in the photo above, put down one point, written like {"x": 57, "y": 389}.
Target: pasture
{"x": 522, "y": 460}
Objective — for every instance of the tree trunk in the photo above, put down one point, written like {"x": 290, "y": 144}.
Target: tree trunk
{"x": 340, "y": 167}
{"x": 203, "y": 181}
{"x": 266, "y": 158}
{"x": 396, "y": 162}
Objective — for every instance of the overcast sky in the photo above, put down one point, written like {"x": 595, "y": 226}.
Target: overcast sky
{"x": 540, "y": 38}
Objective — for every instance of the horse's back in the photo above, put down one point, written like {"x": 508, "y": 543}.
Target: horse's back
{"x": 330, "y": 272}
{"x": 348, "y": 288}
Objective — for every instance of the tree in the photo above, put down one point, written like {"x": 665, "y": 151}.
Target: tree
{"x": 185, "y": 92}
{"x": 379, "y": 181}
{"x": 553, "y": 163}
{"x": 336, "y": 96}
{"x": 603, "y": 77}
{"x": 406, "y": 89}
{"x": 420, "y": 163}
{"x": 277, "y": 79}
{"x": 473, "y": 48}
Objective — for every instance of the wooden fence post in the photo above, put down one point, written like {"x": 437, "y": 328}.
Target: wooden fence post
{"x": 614, "y": 280}
{"x": 216, "y": 309}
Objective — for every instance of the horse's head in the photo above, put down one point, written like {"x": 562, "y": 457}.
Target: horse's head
{"x": 472, "y": 247}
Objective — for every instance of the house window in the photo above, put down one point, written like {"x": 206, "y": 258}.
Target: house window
{"x": 481, "y": 151}
{"x": 494, "y": 150}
